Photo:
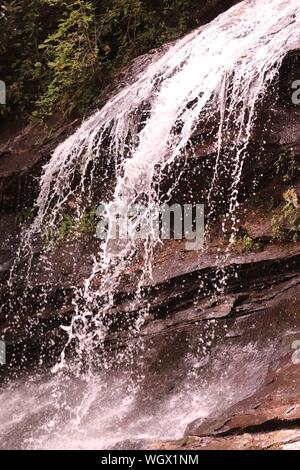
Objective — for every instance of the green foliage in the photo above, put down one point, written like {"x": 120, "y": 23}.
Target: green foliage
{"x": 20, "y": 31}
{"x": 65, "y": 227}
{"x": 286, "y": 224}
{"x": 88, "y": 222}
{"x": 72, "y": 58}
{"x": 70, "y": 227}
{"x": 59, "y": 54}
{"x": 279, "y": 233}
{"x": 24, "y": 215}
{"x": 287, "y": 166}
{"x": 246, "y": 244}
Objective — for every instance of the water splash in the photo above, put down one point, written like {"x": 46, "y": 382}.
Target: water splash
{"x": 106, "y": 409}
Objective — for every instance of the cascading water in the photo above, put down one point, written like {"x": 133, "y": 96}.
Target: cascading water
{"x": 222, "y": 69}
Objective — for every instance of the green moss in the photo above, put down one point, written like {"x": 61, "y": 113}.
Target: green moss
{"x": 246, "y": 244}
{"x": 286, "y": 224}
{"x": 24, "y": 215}
{"x": 70, "y": 227}
{"x": 65, "y": 227}
{"x": 88, "y": 222}
{"x": 287, "y": 167}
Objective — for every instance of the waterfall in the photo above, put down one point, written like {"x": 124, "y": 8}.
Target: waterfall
{"x": 236, "y": 56}
{"x": 221, "y": 70}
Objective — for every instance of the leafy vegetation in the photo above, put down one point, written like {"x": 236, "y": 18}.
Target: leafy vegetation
{"x": 88, "y": 222}
{"x": 57, "y": 55}
{"x": 65, "y": 227}
{"x": 69, "y": 227}
{"x": 287, "y": 167}
{"x": 286, "y": 224}
{"x": 24, "y": 215}
{"x": 245, "y": 244}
